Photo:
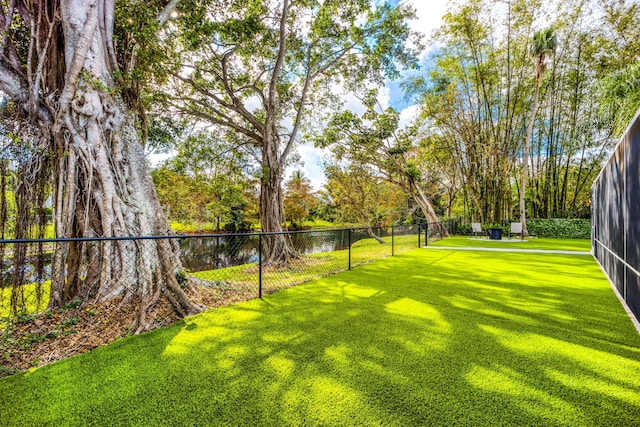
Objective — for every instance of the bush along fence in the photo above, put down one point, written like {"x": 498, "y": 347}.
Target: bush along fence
{"x": 560, "y": 228}
{"x": 232, "y": 267}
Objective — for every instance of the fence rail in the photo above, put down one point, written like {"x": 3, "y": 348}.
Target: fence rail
{"x": 232, "y": 266}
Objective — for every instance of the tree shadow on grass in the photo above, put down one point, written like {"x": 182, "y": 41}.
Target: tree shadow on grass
{"x": 421, "y": 339}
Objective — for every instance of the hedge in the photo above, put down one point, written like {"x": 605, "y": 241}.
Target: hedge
{"x": 561, "y": 228}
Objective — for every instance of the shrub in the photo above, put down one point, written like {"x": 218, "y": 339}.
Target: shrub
{"x": 464, "y": 229}
{"x": 560, "y": 228}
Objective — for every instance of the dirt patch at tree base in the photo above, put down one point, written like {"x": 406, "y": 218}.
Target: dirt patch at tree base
{"x": 36, "y": 340}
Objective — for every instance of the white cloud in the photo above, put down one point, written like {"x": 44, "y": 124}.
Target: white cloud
{"x": 353, "y": 103}
{"x": 287, "y": 123}
{"x": 156, "y": 158}
{"x": 384, "y": 97}
{"x": 253, "y": 103}
{"x": 310, "y": 164}
{"x": 408, "y": 115}
{"x": 429, "y": 17}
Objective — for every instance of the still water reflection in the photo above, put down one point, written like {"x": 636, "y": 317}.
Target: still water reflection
{"x": 208, "y": 253}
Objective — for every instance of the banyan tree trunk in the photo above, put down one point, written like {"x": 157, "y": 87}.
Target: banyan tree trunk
{"x": 102, "y": 183}
{"x": 430, "y": 214}
{"x": 104, "y": 189}
{"x": 278, "y": 247}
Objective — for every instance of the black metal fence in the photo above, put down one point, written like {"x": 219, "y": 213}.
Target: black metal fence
{"x": 232, "y": 267}
{"x": 615, "y": 197}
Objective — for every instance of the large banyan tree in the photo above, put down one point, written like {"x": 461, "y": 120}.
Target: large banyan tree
{"x": 72, "y": 110}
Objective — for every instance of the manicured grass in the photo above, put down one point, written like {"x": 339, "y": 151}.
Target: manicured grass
{"x": 192, "y": 227}
{"x": 533, "y": 243}
{"x": 318, "y": 223}
{"x": 424, "y": 338}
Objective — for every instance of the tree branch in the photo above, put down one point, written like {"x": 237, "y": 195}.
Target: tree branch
{"x": 239, "y": 106}
{"x": 12, "y": 84}
{"x": 339, "y": 54}
{"x": 236, "y": 106}
{"x": 106, "y": 28}
{"x": 5, "y": 22}
{"x": 80, "y": 55}
{"x": 296, "y": 126}
{"x": 309, "y": 78}
{"x": 220, "y": 120}
{"x": 282, "y": 49}
{"x": 165, "y": 14}
{"x": 162, "y": 18}
{"x": 42, "y": 57}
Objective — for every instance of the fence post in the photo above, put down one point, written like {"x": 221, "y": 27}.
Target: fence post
{"x": 392, "y": 240}
{"x": 349, "y": 249}
{"x": 426, "y": 234}
{"x": 260, "y": 265}
{"x": 419, "y": 234}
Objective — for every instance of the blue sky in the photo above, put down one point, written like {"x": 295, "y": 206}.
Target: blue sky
{"x": 397, "y": 96}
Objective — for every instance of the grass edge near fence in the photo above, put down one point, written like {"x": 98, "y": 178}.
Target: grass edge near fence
{"x": 362, "y": 252}
{"x": 543, "y": 243}
{"x": 37, "y": 305}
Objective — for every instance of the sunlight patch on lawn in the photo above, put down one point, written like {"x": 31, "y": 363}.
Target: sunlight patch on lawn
{"x": 280, "y": 365}
{"x": 513, "y": 386}
{"x": 356, "y": 291}
{"x": 209, "y": 331}
{"x": 591, "y": 360}
{"x": 322, "y": 400}
{"x": 435, "y": 331}
{"x": 413, "y": 308}
{"x": 339, "y": 354}
{"x": 481, "y": 307}
{"x": 582, "y": 381}
{"x": 276, "y": 337}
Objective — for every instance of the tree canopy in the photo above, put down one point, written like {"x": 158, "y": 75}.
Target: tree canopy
{"x": 478, "y": 95}
{"x": 257, "y": 68}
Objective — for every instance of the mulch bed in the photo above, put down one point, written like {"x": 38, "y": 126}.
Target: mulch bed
{"x": 37, "y": 340}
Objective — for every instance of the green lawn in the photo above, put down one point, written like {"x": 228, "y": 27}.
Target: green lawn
{"x": 318, "y": 223}
{"x": 424, "y": 338}
{"x": 192, "y": 227}
{"x": 533, "y": 243}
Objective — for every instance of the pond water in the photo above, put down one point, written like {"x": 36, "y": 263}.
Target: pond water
{"x": 208, "y": 253}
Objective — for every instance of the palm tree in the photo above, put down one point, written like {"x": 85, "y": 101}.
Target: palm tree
{"x": 544, "y": 42}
